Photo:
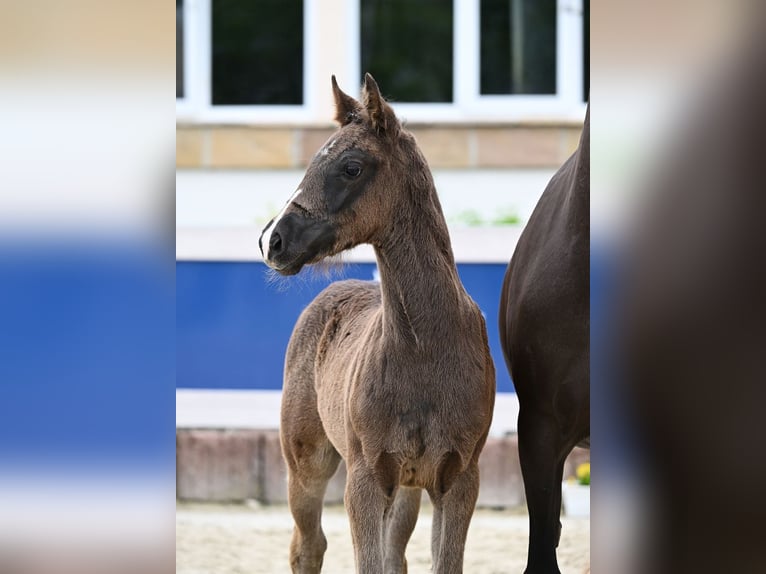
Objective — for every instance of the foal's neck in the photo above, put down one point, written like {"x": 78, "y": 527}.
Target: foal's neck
{"x": 422, "y": 294}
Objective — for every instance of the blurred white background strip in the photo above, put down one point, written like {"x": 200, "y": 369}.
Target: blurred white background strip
{"x": 259, "y": 409}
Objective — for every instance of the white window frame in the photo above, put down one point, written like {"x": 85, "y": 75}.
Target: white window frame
{"x": 468, "y": 104}
{"x": 197, "y": 107}
{"x": 185, "y": 105}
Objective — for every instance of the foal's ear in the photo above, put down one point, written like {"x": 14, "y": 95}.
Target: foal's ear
{"x": 346, "y": 107}
{"x": 382, "y": 115}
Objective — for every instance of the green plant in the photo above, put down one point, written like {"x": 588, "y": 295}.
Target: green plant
{"x": 507, "y": 217}
{"x": 469, "y": 217}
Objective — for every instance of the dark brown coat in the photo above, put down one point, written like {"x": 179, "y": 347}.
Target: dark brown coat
{"x": 545, "y": 334}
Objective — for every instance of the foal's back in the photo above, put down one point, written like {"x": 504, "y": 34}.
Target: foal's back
{"x": 338, "y": 313}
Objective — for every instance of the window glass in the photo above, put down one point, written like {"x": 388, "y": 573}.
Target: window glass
{"x": 179, "y": 49}
{"x": 407, "y": 45}
{"x": 585, "y": 50}
{"x": 257, "y": 52}
{"x": 518, "y": 47}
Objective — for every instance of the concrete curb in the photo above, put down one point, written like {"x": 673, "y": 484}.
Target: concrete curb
{"x": 233, "y": 465}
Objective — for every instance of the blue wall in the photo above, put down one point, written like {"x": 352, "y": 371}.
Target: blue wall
{"x": 233, "y": 325}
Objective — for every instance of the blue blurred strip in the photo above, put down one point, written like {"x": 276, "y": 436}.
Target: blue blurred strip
{"x": 611, "y": 414}
{"x": 87, "y": 355}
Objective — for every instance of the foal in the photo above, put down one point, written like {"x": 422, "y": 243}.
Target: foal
{"x": 395, "y": 377}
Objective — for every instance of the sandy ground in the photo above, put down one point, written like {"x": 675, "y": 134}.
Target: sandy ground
{"x": 216, "y": 539}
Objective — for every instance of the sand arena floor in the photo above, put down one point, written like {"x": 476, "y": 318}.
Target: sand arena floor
{"x": 220, "y": 539}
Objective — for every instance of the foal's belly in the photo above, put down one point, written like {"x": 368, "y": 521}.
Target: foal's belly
{"x": 405, "y": 443}
{"x": 330, "y": 406}
{"x": 412, "y": 459}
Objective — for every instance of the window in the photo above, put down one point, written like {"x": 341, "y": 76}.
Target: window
{"x": 586, "y": 50}
{"x": 243, "y": 61}
{"x": 518, "y": 47}
{"x": 179, "y": 49}
{"x": 407, "y": 45}
{"x": 269, "y": 61}
{"x": 468, "y": 59}
{"x": 257, "y": 52}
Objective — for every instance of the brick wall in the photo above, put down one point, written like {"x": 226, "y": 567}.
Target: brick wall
{"x": 445, "y": 146}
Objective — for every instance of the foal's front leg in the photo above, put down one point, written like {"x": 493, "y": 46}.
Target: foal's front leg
{"x": 366, "y": 504}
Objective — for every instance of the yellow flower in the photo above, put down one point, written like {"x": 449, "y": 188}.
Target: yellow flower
{"x": 583, "y": 473}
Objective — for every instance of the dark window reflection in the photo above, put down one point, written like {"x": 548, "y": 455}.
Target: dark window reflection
{"x": 257, "y": 52}
{"x": 408, "y": 46}
{"x": 518, "y": 46}
{"x": 585, "y": 50}
{"x": 179, "y": 49}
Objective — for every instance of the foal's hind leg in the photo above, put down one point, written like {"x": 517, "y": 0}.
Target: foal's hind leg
{"x": 452, "y": 516}
{"x": 400, "y": 522}
{"x": 308, "y": 476}
{"x": 306, "y": 489}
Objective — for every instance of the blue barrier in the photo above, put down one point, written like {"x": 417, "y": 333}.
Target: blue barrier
{"x": 233, "y": 325}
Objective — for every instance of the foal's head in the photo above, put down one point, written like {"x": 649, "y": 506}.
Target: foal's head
{"x": 351, "y": 189}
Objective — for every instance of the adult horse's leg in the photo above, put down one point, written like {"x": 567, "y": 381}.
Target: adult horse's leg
{"x": 456, "y": 509}
{"x": 366, "y": 504}
{"x": 542, "y": 466}
{"x": 311, "y": 462}
{"x": 399, "y": 524}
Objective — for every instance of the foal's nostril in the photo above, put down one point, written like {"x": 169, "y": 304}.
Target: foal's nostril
{"x": 275, "y": 243}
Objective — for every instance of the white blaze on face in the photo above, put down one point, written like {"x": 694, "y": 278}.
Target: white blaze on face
{"x": 326, "y": 149}
{"x": 266, "y": 237}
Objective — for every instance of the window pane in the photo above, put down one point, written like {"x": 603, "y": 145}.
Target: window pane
{"x": 257, "y": 52}
{"x": 407, "y": 45}
{"x": 585, "y": 50}
{"x": 179, "y": 49}
{"x": 518, "y": 46}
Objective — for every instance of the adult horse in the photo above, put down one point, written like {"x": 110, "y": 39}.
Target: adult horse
{"x": 545, "y": 334}
{"x": 395, "y": 377}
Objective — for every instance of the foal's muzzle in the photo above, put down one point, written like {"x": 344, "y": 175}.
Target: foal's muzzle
{"x": 295, "y": 241}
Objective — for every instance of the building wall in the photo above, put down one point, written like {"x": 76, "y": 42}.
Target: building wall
{"x": 469, "y": 146}
{"x": 236, "y": 164}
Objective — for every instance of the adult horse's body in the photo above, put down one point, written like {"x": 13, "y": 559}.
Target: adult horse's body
{"x": 544, "y": 330}
{"x": 395, "y": 377}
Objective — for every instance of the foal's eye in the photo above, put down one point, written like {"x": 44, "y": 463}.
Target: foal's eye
{"x": 353, "y": 169}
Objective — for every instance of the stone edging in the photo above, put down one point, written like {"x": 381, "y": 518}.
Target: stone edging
{"x": 231, "y": 465}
